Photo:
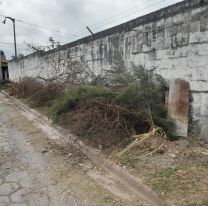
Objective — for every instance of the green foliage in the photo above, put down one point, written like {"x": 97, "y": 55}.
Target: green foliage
{"x": 167, "y": 172}
{"x": 119, "y": 76}
{"x": 98, "y": 81}
{"x": 139, "y": 91}
{"x": 7, "y": 81}
{"x": 203, "y": 203}
{"x": 147, "y": 94}
{"x": 163, "y": 181}
{"x": 77, "y": 95}
{"x": 4, "y": 83}
{"x": 167, "y": 125}
{"x": 205, "y": 164}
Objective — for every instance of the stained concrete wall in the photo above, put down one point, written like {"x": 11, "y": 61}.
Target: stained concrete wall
{"x": 173, "y": 42}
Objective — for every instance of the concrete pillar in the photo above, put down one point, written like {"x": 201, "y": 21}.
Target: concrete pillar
{"x": 178, "y": 105}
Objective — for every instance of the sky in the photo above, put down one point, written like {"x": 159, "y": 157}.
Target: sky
{"x": 65, "y": 20}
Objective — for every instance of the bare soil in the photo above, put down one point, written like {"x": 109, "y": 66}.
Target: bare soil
{"x": 39, "y": 171}
{"x": 179, "y": 171}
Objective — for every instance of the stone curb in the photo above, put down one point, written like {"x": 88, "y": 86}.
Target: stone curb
{"x": 122, "y": 175}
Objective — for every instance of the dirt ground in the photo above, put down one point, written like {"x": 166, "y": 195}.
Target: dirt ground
{"x": 179, "y": 171}
{"x": 57, "y": 174}
{"x": 35, "y": 170}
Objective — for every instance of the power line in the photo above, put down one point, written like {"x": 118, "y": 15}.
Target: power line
{"x": 42, "y": 27}
{"x": 120, "y": 13}
{"x": 127, "y": 15}
{"x": 115, "y": 18}
{"x": 53, "y": 30}
{"x": 79, "y": 33}
{"x": 25, "y": 29}
{"x": 8, "y": 43}
{"x": 150, "y": 30}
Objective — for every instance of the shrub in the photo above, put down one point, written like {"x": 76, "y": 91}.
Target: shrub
{"x": 38, "y": 93}
{"x": 147, "y": 98}
{"x": 4, "y": 83}
{"x": 99, "y": 114}
{"x": 25, "y": 88}
{"x": 46, "y": 94}
{"x": 77, "y": 95}
{"x": 139, "y": 93}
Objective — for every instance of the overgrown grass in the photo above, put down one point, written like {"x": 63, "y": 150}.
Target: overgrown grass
{"x": 163, "y": 181}
{"x": 203, "y": 203}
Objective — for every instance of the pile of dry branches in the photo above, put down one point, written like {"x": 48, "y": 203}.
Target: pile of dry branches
{"x": 39, "y": 93}
{"x": 142, "y": 145}
{"x": 105, "y": 124}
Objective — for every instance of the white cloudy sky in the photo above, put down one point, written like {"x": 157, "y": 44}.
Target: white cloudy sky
{"x": 67, "y": 16}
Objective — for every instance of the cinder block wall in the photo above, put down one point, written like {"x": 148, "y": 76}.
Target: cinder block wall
{"x": 173, "y": 42}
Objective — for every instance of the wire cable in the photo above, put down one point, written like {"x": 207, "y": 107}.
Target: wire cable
{"x": 42, "y": 27}
{"x": 115, "y": 18}
{"x": 96, "y": 25}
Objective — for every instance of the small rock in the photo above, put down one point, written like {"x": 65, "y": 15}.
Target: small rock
{"x": 69, "y": 155}
{"x": 29, "y": 142}
{"x": 44, "y": 151}
{"x": 171, "y": 155}
{"x": 182, "y": 173}
{"x": 100, "y": 147}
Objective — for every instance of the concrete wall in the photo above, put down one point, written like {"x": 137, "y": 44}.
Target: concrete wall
{"x": 173, "y": 42}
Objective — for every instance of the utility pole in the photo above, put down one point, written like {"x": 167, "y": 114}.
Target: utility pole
{"x": 92, "y": 40}
{"x": 90, "y": 30}
{"x": 15, "y": 44}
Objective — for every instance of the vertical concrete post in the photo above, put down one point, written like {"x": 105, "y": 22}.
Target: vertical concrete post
{"x": 178, "y": 105}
